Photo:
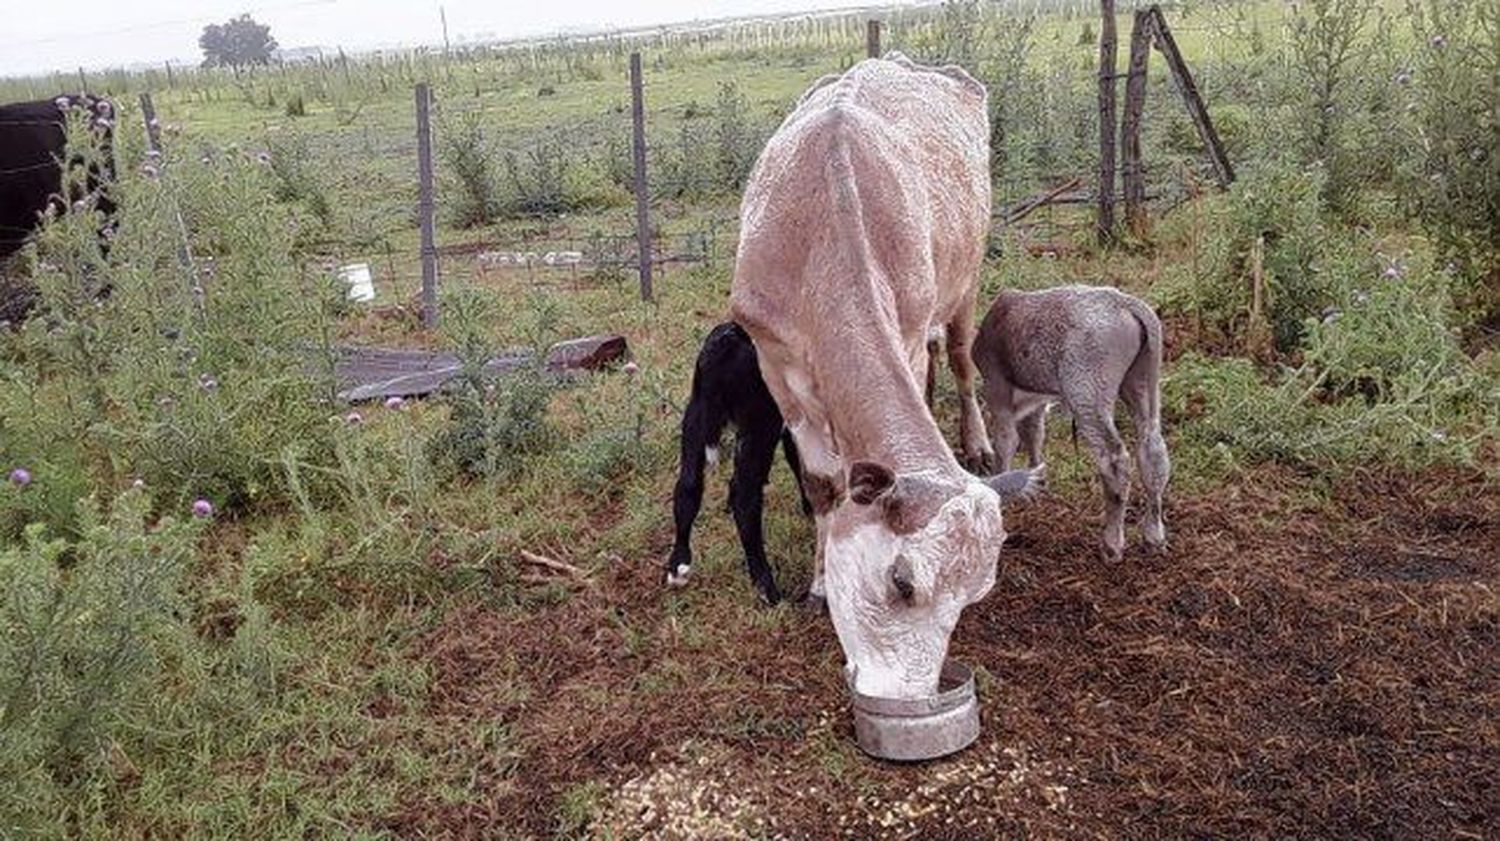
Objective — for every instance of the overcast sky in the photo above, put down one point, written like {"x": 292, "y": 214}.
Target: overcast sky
{"x": 66, "y": 34}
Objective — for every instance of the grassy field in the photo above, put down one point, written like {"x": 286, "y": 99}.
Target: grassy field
{"x": 353, "y": 644}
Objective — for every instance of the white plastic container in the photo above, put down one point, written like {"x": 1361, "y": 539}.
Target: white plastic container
{"x": 361, "y": 283}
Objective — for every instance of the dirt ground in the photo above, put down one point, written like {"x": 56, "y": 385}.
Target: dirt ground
{"x": 1304, "y": 661}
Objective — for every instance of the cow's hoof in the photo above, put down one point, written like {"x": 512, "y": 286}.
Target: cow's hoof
{"x": 678, "y": 576}
{"x": 771, "y": 595}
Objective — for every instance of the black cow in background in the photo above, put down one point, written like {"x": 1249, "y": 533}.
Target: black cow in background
{"x": 33, "y": 140}
{"x": 728, "y": 389}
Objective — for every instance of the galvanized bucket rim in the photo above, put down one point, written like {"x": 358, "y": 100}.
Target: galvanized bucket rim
{"x": 952, "y": 672}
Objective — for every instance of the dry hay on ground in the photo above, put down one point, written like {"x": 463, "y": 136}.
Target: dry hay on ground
{"x": 1293, "y": 666}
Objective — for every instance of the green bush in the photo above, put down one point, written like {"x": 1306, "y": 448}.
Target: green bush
{"x": 1276, "y": 204}
{"x": 84, "y": 628}
{"x": 193, "y": 374}
{"x": 296, "y": 174}
{"x": 472, "y": 197}
{"x": 495, "y": 421}
{"x": 1451, "y": 178}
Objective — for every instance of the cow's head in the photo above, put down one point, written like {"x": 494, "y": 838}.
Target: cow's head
{"x": 904, "y": 555}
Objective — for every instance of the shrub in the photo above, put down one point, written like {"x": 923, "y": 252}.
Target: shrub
{"x": 495, "y": 422}
{"x": 1451, "y": 179}
{"x": 1329, "y": 59}
{"x": 296, "y": 174}
{"x": 468, "y": 169}
{"x": 1225, "y": 406}
{"x": 83, "y": 628}
{"x": 191, "y": 376}
{"x": 737, "y": 143}
{"x": 295, "y": 106}
{"x": 1276, "y": 204}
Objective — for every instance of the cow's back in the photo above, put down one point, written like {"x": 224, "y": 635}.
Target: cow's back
{"x": 903, "y": 148}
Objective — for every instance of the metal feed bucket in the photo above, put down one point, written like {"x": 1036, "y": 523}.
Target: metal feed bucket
{"x": 361, "y": 283}
{"x": 914, "y": 729}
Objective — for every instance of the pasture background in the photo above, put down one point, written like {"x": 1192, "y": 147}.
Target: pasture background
{"x": 352, "y": 645}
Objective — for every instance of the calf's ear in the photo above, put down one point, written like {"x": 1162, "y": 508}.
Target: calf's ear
{"x": 1019, "y": 484}
{"x": 869, "y": 481}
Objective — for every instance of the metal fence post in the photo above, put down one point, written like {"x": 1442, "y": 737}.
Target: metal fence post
{"x": 153, "y": 127}
{"x": 642, "y": 213}
{"x": 872, "y": 38}
{"x": 424, "y": 207}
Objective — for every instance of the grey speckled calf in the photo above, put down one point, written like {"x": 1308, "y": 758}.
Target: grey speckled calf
{"x": 1083, "y": 346}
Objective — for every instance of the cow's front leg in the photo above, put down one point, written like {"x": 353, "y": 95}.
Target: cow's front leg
{"x": 979, "y": 456}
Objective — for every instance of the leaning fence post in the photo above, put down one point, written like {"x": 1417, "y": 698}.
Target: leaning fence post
{"x": 642, "y": 217}
{"x": 424, "y": 207}
{"x": 872, "y": 38}
{"x": 1188, "y": 89}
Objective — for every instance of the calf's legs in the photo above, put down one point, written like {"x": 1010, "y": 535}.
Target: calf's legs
{"x": 1151, "y": 454}
{"x": 1096, "y": 426}
{"x": 702, "y": 425}
{"x": 753, "y": 455}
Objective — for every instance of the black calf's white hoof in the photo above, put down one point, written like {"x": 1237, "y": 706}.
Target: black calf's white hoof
{"x": 678, "y": 575}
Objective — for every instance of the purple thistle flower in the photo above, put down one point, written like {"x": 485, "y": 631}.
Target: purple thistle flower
{"x": 62, "y": 103}
{"x": 207, "y": 382}
{"x": 354, "y": 418}
{"x": 395, "y": 403}
{"x": 202, "y": 508}
{"x": 149, "y": 171}
{"x": 630, "y": 368}
{"x": 1392, "y": 272}
{"x": 1439, "y": 41}
{"x": 20, "y": 476}
{"x": 138, "y": 484}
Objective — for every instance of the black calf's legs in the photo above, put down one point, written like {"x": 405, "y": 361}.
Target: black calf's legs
{"x": 754, "y": 453}
{"x": 701, "y": 428}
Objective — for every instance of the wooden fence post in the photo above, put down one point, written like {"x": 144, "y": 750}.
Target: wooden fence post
{"x": 83, "y": 82}
{"x": 872, "y": 38}
{"x": 642, "y": 213}
{"x": 1132, "y": 168}
{"x": 170, "y": 83}
{"x": 424, "y": 208}
{"x": 1223, "y": 172}
{"x": 153, "y": 127}
{"x": 1107, "y": 50}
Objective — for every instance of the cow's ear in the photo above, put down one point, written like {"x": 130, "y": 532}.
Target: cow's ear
{"x": 869, "y": 481}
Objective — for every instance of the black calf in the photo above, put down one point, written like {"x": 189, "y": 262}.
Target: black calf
{"x": 728, "y": 389}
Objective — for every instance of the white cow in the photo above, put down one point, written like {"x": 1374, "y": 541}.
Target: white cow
{"x": 863, "y": 227}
